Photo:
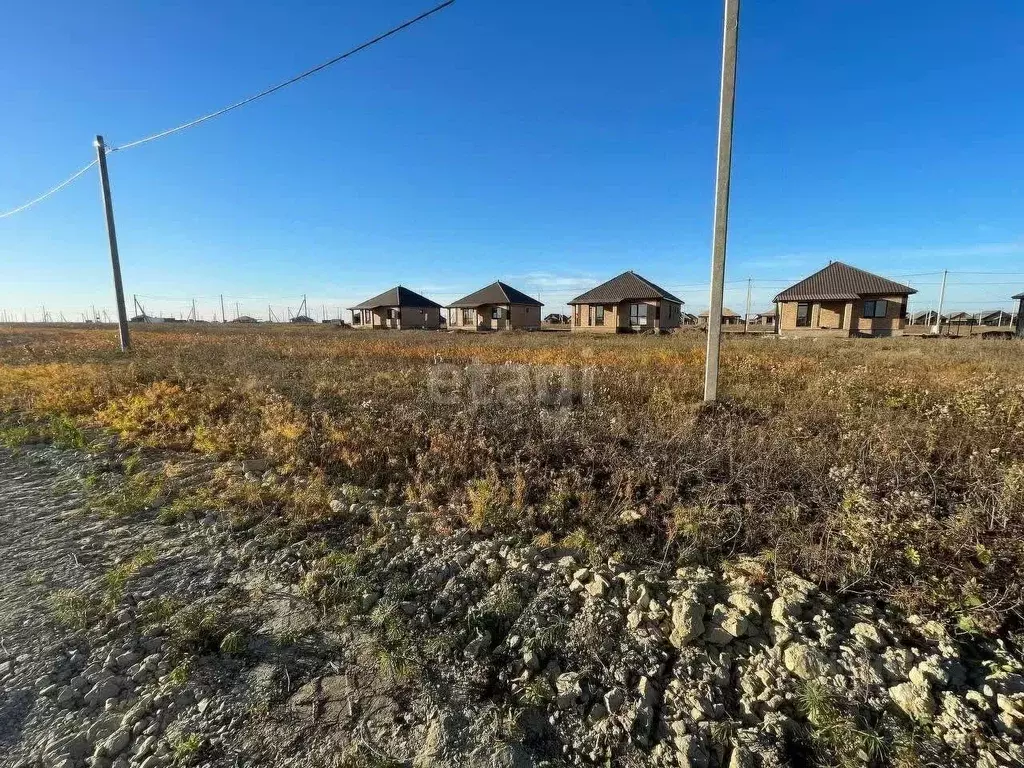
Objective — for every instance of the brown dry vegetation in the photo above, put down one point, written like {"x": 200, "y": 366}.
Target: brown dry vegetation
{"x": 889, "y": 467}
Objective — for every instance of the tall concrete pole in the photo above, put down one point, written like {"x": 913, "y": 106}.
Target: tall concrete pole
{"x": 108, "y": 209}
{"x": 937, "y": 328}
{"x": 726, "y": 106}
{"x": 746, "y": 317}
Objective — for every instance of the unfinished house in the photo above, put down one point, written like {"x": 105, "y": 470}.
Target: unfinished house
{"x": 497, "y": 307}
{"x": 627, "y": 303}
{"x": 400, "y": 309}
{"x": 1019, "y": 298}
{"x": 843, "y": 301}
{"x": 928, "y": 318}
{"x": 728, "y": 317}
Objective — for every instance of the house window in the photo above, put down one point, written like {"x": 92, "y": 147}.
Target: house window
{"x": 638, "y": 314}
{"x": 875, "y": 308}
{"x": 467, "y": 316}
{"x": 495, "y": 313}
{"x": 599, "y": 315}
{"x": 657, "y": 312}
{"x": 803, "y": 315}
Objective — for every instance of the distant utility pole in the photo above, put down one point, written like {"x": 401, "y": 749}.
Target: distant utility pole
{"x": 223, "y": 317}
{"x": 937, "y": 328}
{"x": 115, "y": 261}
{"x": 727, "y": 103}
{"x": 236, "y": 311}
{"x": 746, "y": 320}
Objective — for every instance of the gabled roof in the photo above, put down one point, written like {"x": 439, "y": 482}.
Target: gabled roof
{"x": 1018, "y": 297}
{"x": 841, "y": 282}
{"x": 989, "y": 312}
{"x": 766, "y": 313}
{"x": 726, "y": 312}
{"x": 627, "y": 286}
{"x": 496, "y": 293}
{"x": 397, "y": 297}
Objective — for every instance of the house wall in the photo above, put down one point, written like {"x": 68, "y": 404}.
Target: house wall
{"x": 787, "y": 320}
{"x": 617, "y": 316}
{"x": 831, "y": 318}
{"x": 892, "y": 324}
{"x": 410, "y": 317}
{"x": 1020, "y": 320}
{"x": 525, "y": 317}
{"x": 516, "y": 316}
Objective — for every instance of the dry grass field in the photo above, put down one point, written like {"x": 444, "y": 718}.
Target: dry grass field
{"x": 888, "y": 467}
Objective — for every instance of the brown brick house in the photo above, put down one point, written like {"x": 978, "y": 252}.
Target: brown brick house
{"x": 729, "y": 317}
{"x": 497, "y": 307}
{"x": 844, "y": 301}
{"x": 398, "y": 308}
{"x": 626, "y": 303}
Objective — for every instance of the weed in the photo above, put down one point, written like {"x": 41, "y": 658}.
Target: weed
{"x": 200, "y": 629}
{"x": 838, "y": 737}
{"x": 116, "y": 579}
{"x": 13, "y": 438}
{"x": 134, "y": 494}
{"x": 65, "y": 433}
{"x": 187, "y": 748}
{"x": 931, "y": 520}
{"x": 74, "y": 608}
{"x": 234, "y": 643}
{"x": 178, "y": 676}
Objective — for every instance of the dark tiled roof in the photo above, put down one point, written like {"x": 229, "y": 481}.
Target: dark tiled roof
{"x": 496, "y": 293}
{"x": 841, "y": 282}
{"x": 397, "y": 297}
{"x": 1018, "y": 296}
{"x": 625, "y": 287}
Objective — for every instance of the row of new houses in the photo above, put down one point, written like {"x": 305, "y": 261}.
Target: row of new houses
{"x": 838, "y": 300}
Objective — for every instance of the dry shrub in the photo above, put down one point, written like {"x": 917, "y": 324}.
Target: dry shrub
{"x": 895, "y": 466}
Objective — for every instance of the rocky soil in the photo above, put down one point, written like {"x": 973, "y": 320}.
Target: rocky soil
{"x": 132, "y": 640}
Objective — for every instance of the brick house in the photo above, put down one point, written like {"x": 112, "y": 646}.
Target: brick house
{"x": 498, "y": 307}
{"x": 398, "y": 308}
{"x": 763, "y": 318}
{"x": 729, "y": 317}
{"x": 624, "y": 304}
{"x": 843, "y": 301}
{"x": 1019, "y": 298}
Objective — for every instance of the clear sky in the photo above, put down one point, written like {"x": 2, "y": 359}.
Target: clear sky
{"x": 550, "y": 144}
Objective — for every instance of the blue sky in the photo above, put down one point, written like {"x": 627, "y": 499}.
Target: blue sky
{"x": 552, "y": 145}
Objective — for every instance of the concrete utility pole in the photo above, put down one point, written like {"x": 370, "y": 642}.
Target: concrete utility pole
{"x": 108, "y": 208}
{"x": 223, "y": 317}
{"x": 727, "y": 104}
{"x": 746, "y": 316}
{"x": 937, "y": 328}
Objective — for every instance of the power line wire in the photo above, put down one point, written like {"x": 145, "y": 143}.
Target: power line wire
{"x": 45, "y": 195}
{"x": 286, "y": 83}
{"x": 236, "y": 105}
